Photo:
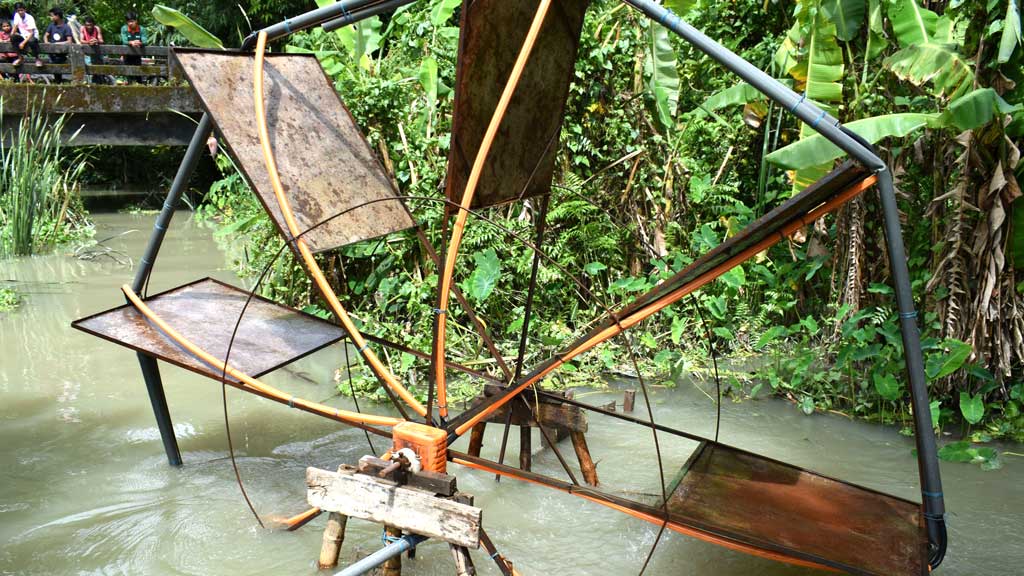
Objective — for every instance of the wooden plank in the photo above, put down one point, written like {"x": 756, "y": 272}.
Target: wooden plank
{"x": 104, "y": 49}
{"x": 415, "y": 511}
{"x": 565, "y": 416}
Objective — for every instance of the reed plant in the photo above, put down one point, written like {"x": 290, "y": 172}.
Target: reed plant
{"x": 40, "y": 199}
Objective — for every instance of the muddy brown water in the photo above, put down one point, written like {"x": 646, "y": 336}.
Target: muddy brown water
{"x": 85, "y": 488}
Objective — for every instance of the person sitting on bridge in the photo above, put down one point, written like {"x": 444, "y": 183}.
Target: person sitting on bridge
{"x": 26, "y": 34}
{"x": 5, "y": 36}
{"x": 58, "y": 32}
{"x": 133, "y": 35}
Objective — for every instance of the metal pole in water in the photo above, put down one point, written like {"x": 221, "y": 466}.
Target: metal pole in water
{"x": 381, "y": 556}
{"x": 150, "y": 369}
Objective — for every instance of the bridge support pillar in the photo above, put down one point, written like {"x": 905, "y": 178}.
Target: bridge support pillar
{"x": 150, "y": 370}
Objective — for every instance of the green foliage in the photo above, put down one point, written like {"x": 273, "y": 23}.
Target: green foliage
{"x": 9, "y": 299}
{"x": 187, "y": 27}
{"x": 40, "y": 201}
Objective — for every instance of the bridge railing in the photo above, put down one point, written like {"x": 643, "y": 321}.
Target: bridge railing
{"x": 105, "y": 60}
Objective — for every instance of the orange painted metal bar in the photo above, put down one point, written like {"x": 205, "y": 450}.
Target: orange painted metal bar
{"x": 317, "y": 274}
{"x": 254, "y": 384}
{"x": 674, "y": 526}
{"x": 444, "y": 291}
{"x": 668, "y": 299}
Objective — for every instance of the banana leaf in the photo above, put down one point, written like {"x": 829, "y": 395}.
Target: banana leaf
{"x": 188, "y": 28}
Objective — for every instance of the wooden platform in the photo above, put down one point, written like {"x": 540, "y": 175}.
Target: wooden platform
{"x": 328, "y": 170}
{"x": 778, "y": 507}
{"x": 205, "y": 312}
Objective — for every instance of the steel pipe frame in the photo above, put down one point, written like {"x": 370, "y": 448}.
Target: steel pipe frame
{"x": 148, "y": 364}
{"x": 820, "y": 121}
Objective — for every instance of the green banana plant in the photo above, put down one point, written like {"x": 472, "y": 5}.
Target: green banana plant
{"x": 188, "y": 28}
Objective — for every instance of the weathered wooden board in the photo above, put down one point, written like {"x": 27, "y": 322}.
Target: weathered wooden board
{"x": 363, "y": 497}
{"x": 522, "y": 161}
{"x": 552, "y": 414}
{"x": 337, "y": 188}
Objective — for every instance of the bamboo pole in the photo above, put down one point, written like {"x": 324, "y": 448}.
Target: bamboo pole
{"x": 334, "y": 537}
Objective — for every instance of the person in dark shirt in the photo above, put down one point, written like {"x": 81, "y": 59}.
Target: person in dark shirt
{"x": 134, "y": 35}
{"x": 58, "y": 32}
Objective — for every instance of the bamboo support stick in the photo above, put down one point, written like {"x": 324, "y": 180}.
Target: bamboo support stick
{"x": 334, "y": 537}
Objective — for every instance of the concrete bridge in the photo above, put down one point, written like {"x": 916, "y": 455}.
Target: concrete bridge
{"x": 161, "y": 112}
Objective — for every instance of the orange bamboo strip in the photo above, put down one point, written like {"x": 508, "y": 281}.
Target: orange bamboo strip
{"x": 249, "y": 381}
{"x": 307, "y": 256}
{"x": 444, "y": 293}
{"x": 674, "y": 296}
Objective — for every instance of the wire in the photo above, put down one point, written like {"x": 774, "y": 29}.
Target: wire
{"x": 714, "y": 360}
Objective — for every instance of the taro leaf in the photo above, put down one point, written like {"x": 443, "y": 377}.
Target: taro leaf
{"x": 847, "y": 15}
{"x": 724, "y": 333}
{"x": 188, "y": 28}
{"x": 957, "y": 452}
{"x": 678, "y": 326}
{"x": 1011, "y": 31}
{"x": 807, "y": 405}
{"x": 770, "y": 335}
{"x": 887, "y": 386}
{"x": 485, "y": 276}
{"x": 972, "y": 407}
{"x": 816, "y": 150}
{"x": 594, "y": 268}
{"x": 662, "y": 75}
{"x": 442, "y": 11}
{"x": 936, "y": 410}
{"x": 949, "y": 73}
{"x": 913, "y": 23}
{"x": 944, "y": 364}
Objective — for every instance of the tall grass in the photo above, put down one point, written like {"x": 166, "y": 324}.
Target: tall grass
{"x": 40, "y": 200}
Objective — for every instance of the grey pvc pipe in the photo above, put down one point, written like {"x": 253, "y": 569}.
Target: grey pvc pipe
{"x": 178, "y": 187}
{"x": 829, "y": 127}
{"x": 382, "y": 8}
{"x": 342, "y": 9}
{"x": 381, "y": 556}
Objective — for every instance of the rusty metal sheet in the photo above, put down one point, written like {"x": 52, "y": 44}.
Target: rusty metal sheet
{"x": 205, "y": 312}
{"x": 767, "y": 503}
{"x": 522, "y": 160}
{"x": 326, "y": 165}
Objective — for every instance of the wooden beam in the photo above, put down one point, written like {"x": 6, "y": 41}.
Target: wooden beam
{"x": 433, "y": 482}
{"x": 415, "y": 511}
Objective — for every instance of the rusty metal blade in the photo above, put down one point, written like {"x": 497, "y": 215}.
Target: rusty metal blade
{"x": 326, "y": 165}
{"x": 522, "y": 160}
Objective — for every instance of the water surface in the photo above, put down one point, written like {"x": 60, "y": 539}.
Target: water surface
{"x": 85, "y": 489}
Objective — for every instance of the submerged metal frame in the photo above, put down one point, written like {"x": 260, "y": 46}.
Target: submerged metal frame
{"x": 349, "y": 11}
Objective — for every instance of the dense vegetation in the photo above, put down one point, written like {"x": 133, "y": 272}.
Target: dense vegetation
{"x": 663, "y": 155}
{"x": 40, "y": 200}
